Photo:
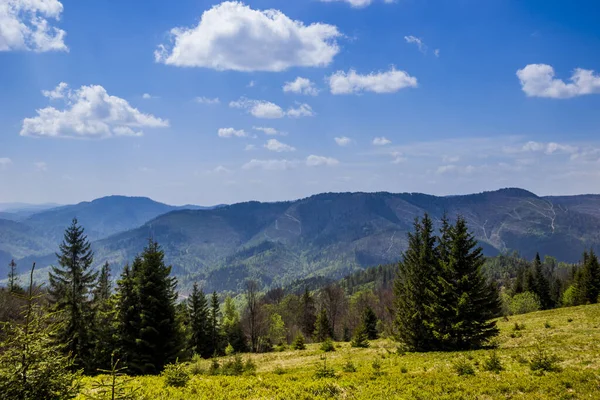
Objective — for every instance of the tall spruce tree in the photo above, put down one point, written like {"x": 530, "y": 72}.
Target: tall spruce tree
{"x": 128, "y": 315}
{"x": 215, "y": 331}
{"x": 197, "y": 306}
{"x": 13, "y": 279}
{"x": 369, "y": 321}
{"x": 71, "y": 284}
{"x": 159, "y": 341}
{"x": 587, "y": 280}
{"x": 415, "y": 288}
{"x": 104, "y": 320}
{"x": 308, "y": 314}
{"x": 323, "y": 329}
{"x": 103, "y": 288}
{"x": 540, "y": 284}
{"x": 472, "y": 301}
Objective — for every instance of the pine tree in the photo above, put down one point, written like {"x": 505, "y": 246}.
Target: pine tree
{"x": 360, "y": 338}
{"x": 13, "y": 279}
{"x": 231, "y": 326}
{"x": 414, "y": 288}
{"x": 104, "y": 320}
{"x": 70, "y": 290}
{"x": 215, "y": 332}
{"x": 540, "y": 285}
{"x": 308, "y": 314}
{"x": 370, "y": 323}
{"x": 103, "y": 288}
{"x": 472, "y": 300}
{"x": 128, "y": 314}
{"x": 158, "y": 342}
{"x": 322, "y": 329}
{"x": 197, "y": 306}
{"x": 587, "y": 280}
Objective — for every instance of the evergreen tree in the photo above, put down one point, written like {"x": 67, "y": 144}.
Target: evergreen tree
{"x": 71, "y": 284}
{"x": 323, "y": 330}
{"x": 128, "y": 314}
{"x": 231, "y": 326}
{"x": 158, "y": 339}
{"x": 472, "y": 300}
{"x": 370, "y": 323}
{"x": 308, "y": 314}
{"x": 103, "y": 288}
{"x": 104, "y": 320}
{"x": 360, "y": 338}
{"x": 215, "y": 332}
{"x": 540, "y": 285}
{"x": 197, "y": 306}
{"x": 415, "y": 287}
{"x": 587, "y": 280}
{"x": 13, "y": 279}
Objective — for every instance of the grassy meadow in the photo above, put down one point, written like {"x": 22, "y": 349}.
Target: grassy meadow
{"x": 564, "y": 342}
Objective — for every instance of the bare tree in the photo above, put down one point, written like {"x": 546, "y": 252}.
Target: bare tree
{"x": 334, "y": 300}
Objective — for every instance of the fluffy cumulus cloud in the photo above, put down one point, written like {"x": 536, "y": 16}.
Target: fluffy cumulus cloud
{"x": 301, "y": 86}
{"x": 381, "y": 141}
{"x": 231, "y": 132}
{"x": 88, "y": 112}
{"x": 318, "y": 161}
{"x": 269, "y": 165}
{"x": 276, "y": 145}
{"x": 27, "y": 25}
{"x": 343, "y": 141}
{"x": 268, "y": 130}
{"x": 357, "y": 3}
{"x": 539, "y": 80}
{"x": 546, "y": 148}
{"x": 233, "y": 36}
{"x": 207, "y": 100}
{"x": 382, "y": 82}
{"x": 268, "y": 110}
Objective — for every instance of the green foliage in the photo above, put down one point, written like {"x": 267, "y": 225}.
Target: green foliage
{"x": 518, "y": 327}
{"x": 349, "y": 366}
{"x": 376, "y": 365}
{"x": 327, "y": 346}
{"x": 298, "y": 343}
{"x": 323, "y": 329}
{"x": 32, "y": 365}
{"x": 231, "y": 327}
{"x": 71, "y": 286}
{"x": 523, "y": 303}
{"x": 587, "y": 280}
{"x": 277, "y": 331}
{"x": 323, "y": 371}
{"x": 360, "y": 338}
{"x": 543, "y": 361}
{"x": 175, "y": 375}
{"x": 229, "y": 350}
{"x": 463, "y": 367}
{"x": 493, "y": 363}
{"x": 370, "y": 323}
{"x": 199, "y": 324}
{"x": 112, "y": 386}
{"x": 215, "y": 367}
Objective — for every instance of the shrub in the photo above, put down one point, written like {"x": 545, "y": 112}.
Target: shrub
{"x": 233, "y": 367}
{"x": 518, "y": 327}
{"x": 360, "y": 339}
{"x": 349, "y": 367}
{"x": 463, "y": 367}
{"x": 493, "y": 363}
{"x": 215, "y": 367}
{"x": 403, "y": 370}
{"x": 547, "y": 325}
{"x": 250, "y": 367}
{"x": 278, "y": 370}
{"x": 280, "y": 348}
{"x": 323, "y": 371}
{"x": 175, "y": 375}
{"x": 524, "y": 303}
{"x": 229, "y": 350}
{"x": 542, "y": 361}
{"x": 328, "y": 345}
{"x": 376, "y": 364}
{"x": 298, "y": 343}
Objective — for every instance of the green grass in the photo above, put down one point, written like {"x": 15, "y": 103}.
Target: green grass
{"x": 291, "y": 374}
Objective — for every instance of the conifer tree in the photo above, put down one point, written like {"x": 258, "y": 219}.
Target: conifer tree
{"x": 323, "y": 330}
{"x": 71, "y": 284}
{"x": 215, "y": 332}
{"x": 308, "y": 314}
{"x": 370, "y": 323}
{"x": 103, "y": 288}
{"x": 587, "y": 280}
{"x": 414, "y": 288}
{"x": 360, "y": 338}
{"x": 104, "y": 320}
{"x": 128, "y": 314}
{"x": 13, "y": 279}
{"x": 472, "y": 300}
{"x": 232, "y": 327}
{"x": 540, "y": 285}
{"x": 197, "y": 306}
{"x": 158, "y": 342}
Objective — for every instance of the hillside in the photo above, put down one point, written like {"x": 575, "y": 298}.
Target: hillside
{"x": 571, "y": 334}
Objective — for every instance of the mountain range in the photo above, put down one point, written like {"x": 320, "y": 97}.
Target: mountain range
{"x": 330, "y": 234}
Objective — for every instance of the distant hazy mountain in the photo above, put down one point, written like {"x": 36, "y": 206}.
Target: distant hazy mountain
{"x": 329, "y": 234}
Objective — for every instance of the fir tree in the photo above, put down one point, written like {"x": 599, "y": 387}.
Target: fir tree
{"x": 70, "y": 290}
{"x": 472, "y": 300}
{"x": 540, "y": 285}
{"x": 414, "y": 288}
{"x": 214, "y": 315}
{"x": 13, "y": 279}
{"x": 197, "y": 306}
{"x": 231, "y": 326}
{"x": 360, "y": 338}
{"x": 587, "y": 280}
{"x": 158, "y": 342}
{"x": 104, "y": 320}
{"x": 128, "y": 314}
{"x": 322, "y": 329}
{"x": 308, "y": 314}
{"x": 370, "y": 323}
{"x": 103, "y": 288}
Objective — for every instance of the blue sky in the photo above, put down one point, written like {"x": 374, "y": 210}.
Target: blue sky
{"x": 441, "y": 97}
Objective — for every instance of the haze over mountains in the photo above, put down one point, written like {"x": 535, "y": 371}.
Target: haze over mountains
{"x": 329, "y": 234}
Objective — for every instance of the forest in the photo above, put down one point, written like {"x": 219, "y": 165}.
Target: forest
{"x": 87, "y": 333}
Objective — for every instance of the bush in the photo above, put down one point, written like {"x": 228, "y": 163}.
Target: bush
{"x": 298, "y": 343}
{"x": 518, "y": 327}
{"x": 360, "y": 339}
{"x": 403, "y": 370}
{"x": 278, "y": 370}
{"x": 547, "y": 325}
{"x": 463, "y": 367}
{"x": 523, "y": 303}
{"x": 215, "y": 367}
{"x": 175, "y": 375}
{"x": 328, "y": 345}
{"x": 376, "y": 364}
{"x": 229, "y": 350}
{"x": 233, "y": 367}
{"x": 250, "y": 367}
{"x": 349, "y": 367}
{"x": 493, "y": 363}
{"x": 542, "y": 361}
{"x": 280, "y": 348}
{"x": 323, "y": 371}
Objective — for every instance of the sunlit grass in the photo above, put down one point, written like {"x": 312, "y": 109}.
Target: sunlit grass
{"x": 570, "y": 334}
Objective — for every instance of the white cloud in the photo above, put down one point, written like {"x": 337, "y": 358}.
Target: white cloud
{"x": 302, "y": 110}
{"x": 232, "y": 36}
{"x": 231, "y": 132}
{"x": 301, "y": 86}
{"x": 148, "y": 96}
{"x": 357, "y": 3}
{"x": 276, "y": 145}
{"x": 417, "y": 41}
{"x": 398, "y": 157}
{"x": 5, "y": 162}
{"x": 249, "y": 147}
{"x": 40, "y": 166}
{"x": 381, "y": 141}
{"x": 268, "y": 110}
{"x": 270, "y": 165}
{"x": 268, "y": 131}
{"x": 451, "y": 159}
{"x": 538, "y": 80}
{"x": 451, "y": 168}
{"x": 207, "y": 100}
{"x": 221, "y": 170}
{"x": 548, "y": 148}
{"x": 89, "y": 112}
{"x": 24, "y": 25}
{"x": 317, "y": 161}
{"x": 381, "y": 82}
{"x": 343, "y": 141}
{"x": 436, "y": 52}
{"x": 251, "y": 84}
